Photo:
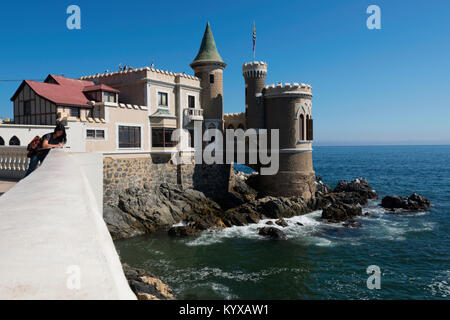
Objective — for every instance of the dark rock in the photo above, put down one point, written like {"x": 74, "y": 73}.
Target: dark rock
{"x": 300, "y": 224}
{"x": 414, "y": 202}
{"x": 281, "y": 207}
{"x": 267, "y": 207}
{"x": 321, "y": 188}
{"x": 350, "y": 198}
{"x": 367, "y": 214}
{"x": 120, "y": 224}
{"x": 360, "y": 186}
{"x": 352, "y": 224}
{"x": 145, "y": 285}
{"x": 272, "y": 232}
{"x": 182, "y": 231}
{"x": 339, "y": 212}
{"x": 149, "y": 209}
{"x": 139, "y": 210}
{"x": 241, "y": 215}
{"x": 270, "y": 223}
{"x": 281, "y": 222}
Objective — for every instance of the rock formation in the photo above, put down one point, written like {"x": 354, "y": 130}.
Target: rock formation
{"x": 146, "y": 286}
{"x": 414, "y": 202}
{"x": 140, "y": 211}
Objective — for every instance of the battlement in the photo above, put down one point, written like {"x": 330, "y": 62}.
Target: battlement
{"x": 287, "y": 89}
{"x": 234, "y": 116}
{"x": 254, "y": 69}
{"x": 166, "y": 72}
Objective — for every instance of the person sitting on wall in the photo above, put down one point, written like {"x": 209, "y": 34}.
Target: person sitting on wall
{"x": 55, "y": 139}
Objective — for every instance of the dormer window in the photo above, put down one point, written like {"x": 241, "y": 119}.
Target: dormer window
{"x": 109, "y": 97}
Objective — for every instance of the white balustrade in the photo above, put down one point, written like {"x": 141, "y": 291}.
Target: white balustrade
{"x": 13, "y": 162}
{"x": 193, "y": 114}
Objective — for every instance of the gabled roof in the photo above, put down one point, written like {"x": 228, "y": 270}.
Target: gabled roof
{"x": 100, "y": 86}
{"x": 66, "y": 91}
{"x": 208, "y": 50}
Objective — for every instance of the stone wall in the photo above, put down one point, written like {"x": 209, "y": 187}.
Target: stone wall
{"x": 120, "y": 174}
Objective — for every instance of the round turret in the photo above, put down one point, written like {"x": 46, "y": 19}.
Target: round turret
{"x": 255, "y": 76}
{"x": 208, "y": 66}
{"x": 288, "y": 109}
{"x": 256, "y": 69}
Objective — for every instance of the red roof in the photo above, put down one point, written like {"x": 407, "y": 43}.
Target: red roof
{"x": 67, "y": 91}
{"x": 100, "y": 86}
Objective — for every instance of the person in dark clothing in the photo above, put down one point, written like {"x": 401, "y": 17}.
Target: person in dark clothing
{"x": 55, "y": 139}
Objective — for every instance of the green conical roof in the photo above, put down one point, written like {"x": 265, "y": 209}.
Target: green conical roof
{"x": 208, "y": 50}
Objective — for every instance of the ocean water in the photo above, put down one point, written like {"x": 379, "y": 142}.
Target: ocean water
{"x": 323, "y": 260}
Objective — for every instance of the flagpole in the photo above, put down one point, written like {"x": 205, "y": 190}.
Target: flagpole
{"x": 254, "y": 41}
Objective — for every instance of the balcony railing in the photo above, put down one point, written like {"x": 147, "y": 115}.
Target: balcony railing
{"x": 193, "y": 114}
{"x": 13, "y": 162}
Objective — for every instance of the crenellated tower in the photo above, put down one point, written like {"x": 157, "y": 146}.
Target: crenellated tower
{"x": 208, "y": 66}
{"x": 288, "y": 109}
{"x": 255, "y": 77}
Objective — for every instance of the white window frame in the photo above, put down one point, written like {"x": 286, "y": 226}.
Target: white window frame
{"x": 109, "y": 94}
{"x": 195, "y": 99}
{"x": 105, "y": 130}
{"x": 158, "y": 91}
{"x": 129, "y": 125}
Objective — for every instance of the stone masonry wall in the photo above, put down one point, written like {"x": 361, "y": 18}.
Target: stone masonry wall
{"x": 120, "y": 174}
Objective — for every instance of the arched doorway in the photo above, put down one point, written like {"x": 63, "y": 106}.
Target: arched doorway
{"x": 14, "y": 141}
{"x": 2, "y": 142}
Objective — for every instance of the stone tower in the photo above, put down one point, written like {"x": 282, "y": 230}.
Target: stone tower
{"x": 255, "y": 77}
{"x": 288, "y": 108}
{"x": 208, "y": 66}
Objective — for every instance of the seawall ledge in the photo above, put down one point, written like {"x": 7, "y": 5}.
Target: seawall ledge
{"x": 54, "y": 243}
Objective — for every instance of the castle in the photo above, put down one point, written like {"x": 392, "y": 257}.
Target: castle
{"x": 133, "y": 112}
{"x": 285, "y": 107}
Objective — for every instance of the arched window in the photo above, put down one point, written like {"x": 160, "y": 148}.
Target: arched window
{"x": 309, "y": 128}
{"x": 2, "y": 142}
{"x": 230, "y": 126}
{"x": 241, "y": 126}
{"x": 301, "y": 127}
{"x": 14, "y": 141}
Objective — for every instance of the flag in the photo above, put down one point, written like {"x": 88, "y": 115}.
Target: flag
{"x": 254, "y": 36}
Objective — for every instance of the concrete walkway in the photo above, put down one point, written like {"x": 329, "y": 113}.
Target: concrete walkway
{"x": 5, "y": 185}
{"x": 54, "y": 243}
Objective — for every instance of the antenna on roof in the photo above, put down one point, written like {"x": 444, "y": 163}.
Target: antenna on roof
{"x": 120, "y": 66}
{"x": 153, "y": 64}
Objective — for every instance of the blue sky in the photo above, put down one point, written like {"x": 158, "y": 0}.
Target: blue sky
{"x": 388, "y": 86}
